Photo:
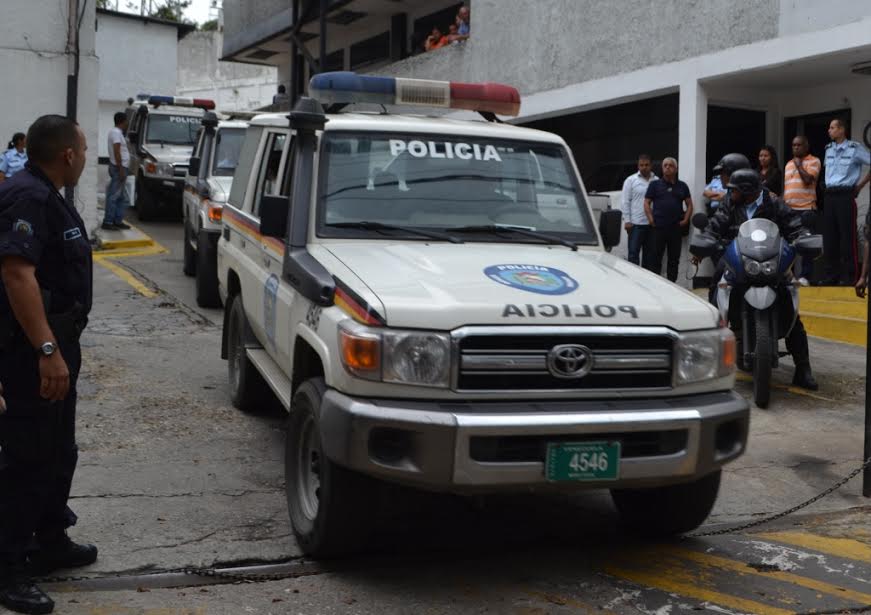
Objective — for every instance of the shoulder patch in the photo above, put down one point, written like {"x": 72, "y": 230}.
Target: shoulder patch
{"x": 23, "y": 226}
{"x": 72, "y": 233}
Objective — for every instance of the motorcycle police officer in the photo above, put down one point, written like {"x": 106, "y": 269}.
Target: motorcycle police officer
{"x": 45, "y": 296}
{"x": 747, "y": 199}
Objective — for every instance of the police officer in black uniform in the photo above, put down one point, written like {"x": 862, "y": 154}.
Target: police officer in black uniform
{"x": 747, "y": 199}
{"x": 45, "y": 297}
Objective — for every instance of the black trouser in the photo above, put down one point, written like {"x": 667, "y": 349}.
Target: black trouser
{"x": 666, "y": 239}
{"x": 839, "y": 235}
{"x": 38, "y": 456}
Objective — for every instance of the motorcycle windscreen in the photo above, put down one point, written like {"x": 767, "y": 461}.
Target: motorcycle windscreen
{"x": 759, "y": 239}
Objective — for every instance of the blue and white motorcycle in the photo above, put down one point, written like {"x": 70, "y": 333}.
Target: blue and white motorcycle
{"x": 757, "y": 294}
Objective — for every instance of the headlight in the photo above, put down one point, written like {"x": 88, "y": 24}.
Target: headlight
{"x": 752, "y": 267}
{"x": 704, "y": 356}
{"x": 165, "y": 169}
{"x": 417, "y": 358}
{"x": 402, "y": 357}
{"x": 769, "y": 267}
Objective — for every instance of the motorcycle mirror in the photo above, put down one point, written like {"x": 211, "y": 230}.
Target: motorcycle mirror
{"x": 700, "y": 221}
{"x": 702, "y": 245}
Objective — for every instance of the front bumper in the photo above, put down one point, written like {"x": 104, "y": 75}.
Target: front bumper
{"x": 166, "y": 186}
{"x": 499, "y": 446}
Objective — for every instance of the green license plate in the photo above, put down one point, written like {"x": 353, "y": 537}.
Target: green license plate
{"x": 582, "y": 461}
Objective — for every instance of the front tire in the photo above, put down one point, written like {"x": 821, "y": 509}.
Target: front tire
{"x": 207, "y": 271}
{"x": 146, "y": 203}
{"x": 190, "y": 262}
{"x": 248, "y": 391}
{"x": 332, "y": 509}
{"x": 666, "y": 511}
{"x": 762, "y": 359}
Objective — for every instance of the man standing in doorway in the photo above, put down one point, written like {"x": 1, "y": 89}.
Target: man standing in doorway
{"x": 668, "y": 207}
{"x": 800, "y": 189}
{"x": 634, "y": 218}
{"x": 844, "y": 161}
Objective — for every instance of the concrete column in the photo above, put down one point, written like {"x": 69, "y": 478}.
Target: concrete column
{"x": 692, "y": 148}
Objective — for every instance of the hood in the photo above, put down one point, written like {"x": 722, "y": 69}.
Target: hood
{"x": 174, "y": 154}
{"x": 445, "y": 286}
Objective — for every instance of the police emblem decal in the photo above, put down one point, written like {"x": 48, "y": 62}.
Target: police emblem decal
{"x": 533, "y": 278}
{"x": 23, "y": 226}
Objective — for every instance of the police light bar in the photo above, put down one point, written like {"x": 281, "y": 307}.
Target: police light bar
{"x": 347, "y": 87}
{"x": 180, "y": 101}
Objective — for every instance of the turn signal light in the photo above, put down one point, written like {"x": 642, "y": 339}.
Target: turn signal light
{"x": 729, "y": 352}
{"x": 361, "y": 354}
{"x": 151, "y": 167}
{"x": 216, "y": 211}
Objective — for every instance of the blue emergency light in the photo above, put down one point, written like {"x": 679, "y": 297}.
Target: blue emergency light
{"x": 347, "y": 87}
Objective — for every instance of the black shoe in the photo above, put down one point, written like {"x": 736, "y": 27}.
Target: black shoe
{"x": 804, "y": 378}
{"x": 62, "y": 554}
{"x": 122, "y": 226}
{"x": 108, "y": 227}
{"x": 24, "y": 597}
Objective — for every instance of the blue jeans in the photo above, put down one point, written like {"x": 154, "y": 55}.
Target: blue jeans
{"x": 639, "y": 238}
{"x": 117, "y": 199}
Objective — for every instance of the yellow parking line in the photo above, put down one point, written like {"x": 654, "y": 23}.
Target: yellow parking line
{"x": 723, "y": 563}
{"x": 839, "y": 547}
{"x": 128, "y": 277}
{"x": 782, "y": 387}
{"x": 149, "y": 251}
{"x": 668, "y": 582}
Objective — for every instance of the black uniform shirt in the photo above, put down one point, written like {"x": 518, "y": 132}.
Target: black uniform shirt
{"x": 37, "y": 224}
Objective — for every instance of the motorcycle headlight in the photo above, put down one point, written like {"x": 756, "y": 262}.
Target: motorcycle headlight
{"x": 769, "y": 267}
{"x": 417, "y": 358}
{"x": 704, "y": 355}
{"x": 752, "y": 267}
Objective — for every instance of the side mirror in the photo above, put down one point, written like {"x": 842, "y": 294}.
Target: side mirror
{"x": 194, "y": 166}
{"x": 809, "y": 245}
{"x": 273, "y": 215}
{"x": 609, "y": 227}
{"x": 703, "y": 246}
{"x": 700, "y": 220}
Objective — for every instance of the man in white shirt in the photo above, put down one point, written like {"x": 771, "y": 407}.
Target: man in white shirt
{"x": 117, "y": 199}
{"x": 634, "y": 219}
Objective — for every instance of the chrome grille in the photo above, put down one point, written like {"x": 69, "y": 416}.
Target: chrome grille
{"x": 500, "y": 362}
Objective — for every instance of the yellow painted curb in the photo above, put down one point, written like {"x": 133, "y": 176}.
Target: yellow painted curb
{"x": 126, "y": 244}
{"x": 837, "y": 328}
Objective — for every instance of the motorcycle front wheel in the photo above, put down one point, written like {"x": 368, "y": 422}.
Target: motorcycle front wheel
{"x": 762, "y": 357}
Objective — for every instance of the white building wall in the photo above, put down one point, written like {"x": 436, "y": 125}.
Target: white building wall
{"x": 232, "y": 85}
{"x": 135, "y": 57}
{"x": 33, "y": 71}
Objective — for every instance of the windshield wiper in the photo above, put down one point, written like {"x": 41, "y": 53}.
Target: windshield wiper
{"x": 520, "y": 230}
{"x": 378, "y": 226}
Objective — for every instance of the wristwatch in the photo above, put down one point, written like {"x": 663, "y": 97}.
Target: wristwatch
{"x": 47, "y": 348}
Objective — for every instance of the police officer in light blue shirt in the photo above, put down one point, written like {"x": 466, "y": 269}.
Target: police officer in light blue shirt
{"x": 844, "y": 160}
{"x": 13, "y": 159}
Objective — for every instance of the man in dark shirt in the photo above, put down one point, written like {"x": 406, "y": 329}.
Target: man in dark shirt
{"x": 45, "y": 296}
{"x": 668, "y": 207}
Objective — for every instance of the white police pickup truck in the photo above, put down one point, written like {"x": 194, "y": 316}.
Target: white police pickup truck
{"x": 161, "y": 134}
{"x": 433, "y": 303}
{"x": 207, "y": 186}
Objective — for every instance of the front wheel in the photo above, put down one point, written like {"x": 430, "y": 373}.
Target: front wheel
{"x": 763, "y": 358}
{"x": 666, "y": 511}
{"x": 248, "y": 390}
{"x": 146, "y": 203}
{"x": 190, "y": 256}
{"x": 332, "y": 509}
{"x": 207, "y": 271}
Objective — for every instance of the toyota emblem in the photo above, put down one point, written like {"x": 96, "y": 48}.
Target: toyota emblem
{"x": 569, "y": 361}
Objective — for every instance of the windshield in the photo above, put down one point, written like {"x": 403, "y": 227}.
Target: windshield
{"x": 227, "y": 149}
{"x": 759, "y": 238}
{"x": 172, "y": 129}
{"x": 434, "y": 182}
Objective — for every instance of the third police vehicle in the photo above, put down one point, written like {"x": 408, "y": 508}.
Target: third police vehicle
{"x": 433, "y": 303}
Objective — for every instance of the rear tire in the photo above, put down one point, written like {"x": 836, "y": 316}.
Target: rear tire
{"x": 762, "y": 359}
{"x": 207, "y": 271}
{"x": 146, "y": 203}
{"x": 248, "y": 390}
{"x": 665, "y": 511}
{"x": 190, "y": 262}
{"x": 332, "y": 509}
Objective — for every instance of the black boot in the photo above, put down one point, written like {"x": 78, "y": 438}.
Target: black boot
{"x": 62, "y": 553}
{"x": 22, "y": 596}
{"x": 804, "y": 378}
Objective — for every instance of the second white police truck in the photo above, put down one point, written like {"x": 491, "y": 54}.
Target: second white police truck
{"x": 433, "y": 303}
